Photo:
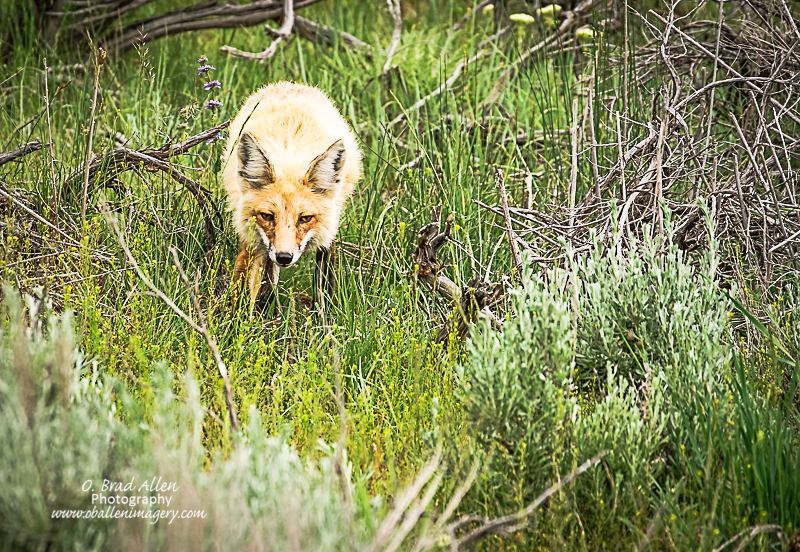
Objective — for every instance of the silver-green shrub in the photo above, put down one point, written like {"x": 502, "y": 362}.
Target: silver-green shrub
{"x": 648, "y": 363}
{"x": 516, "y": 386}
{"x": 64, "y": 423}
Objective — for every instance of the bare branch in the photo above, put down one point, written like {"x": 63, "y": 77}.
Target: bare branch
{"x": 200, "y": 328}
{"x": 280, "y": 35}
{"x": 515, "y": 522}
{"x": 394, "y": 9}
{"x": 21, "y": 151}
{"x": 512, "y": 239}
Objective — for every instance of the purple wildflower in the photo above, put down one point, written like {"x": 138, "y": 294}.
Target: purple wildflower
{"x": 204, "y": 68}
{"x": 203, "y": 60}
{"x": 212, "y": 84}
{"x": 213, "y": 104}
{"x": 214, "y": 138}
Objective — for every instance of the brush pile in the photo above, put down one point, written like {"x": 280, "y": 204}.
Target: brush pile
{"x": 693, "y": 155}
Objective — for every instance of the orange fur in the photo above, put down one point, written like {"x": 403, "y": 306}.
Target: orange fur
{"x": 291, "y": 162}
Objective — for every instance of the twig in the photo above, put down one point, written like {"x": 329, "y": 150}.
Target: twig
{"x": 100, "y": 58}
{"x": 36, "y": 215}
{"x": 50, "y": 143}
{"x": 470, "y": 13}
{"x": 595, "y": 169}
{"x": 394, "y": 9}
{"x": 206, "y": 15}
{"x": 200, "y": 328}
{"x": 573, "y": 176}
{"x": 662, "y": 136}
{"x": 123, "y": 159}
{"x": 35, "y": 117}
{"x": 328, "y": 36}
{"x": 753, "y": 532}
{"x": 438, "y": 91}
{"x": 280, "y": 35}
{"x": 392, "y": 519}
{"x": 427, "y": 541}
{"x": 515, "y": 522}
{"x": 622, "y": 162}
{"x": 572, "y": 19}
{"x": 21, "y": 151}
{"x": 500, "y": 182}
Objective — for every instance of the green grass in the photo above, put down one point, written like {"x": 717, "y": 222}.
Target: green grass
{"x": 394, "y": 374}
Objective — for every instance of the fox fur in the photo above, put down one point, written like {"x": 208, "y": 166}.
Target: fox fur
{"x": 291, "y": 162}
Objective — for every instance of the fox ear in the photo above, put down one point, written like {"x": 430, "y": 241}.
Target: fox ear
{"x": 325, "y": 172}
{"x": 253, "y": 163}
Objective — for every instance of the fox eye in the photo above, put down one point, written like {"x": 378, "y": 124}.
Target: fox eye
{"x": 266, "y": 217}
{"x": 305, "y": 219}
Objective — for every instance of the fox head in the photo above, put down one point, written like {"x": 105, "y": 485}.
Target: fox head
{"x": 292, "y": 209}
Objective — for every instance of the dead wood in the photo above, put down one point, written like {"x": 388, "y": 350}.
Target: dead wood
{"x": 477, "y": 299}
{"x": 21, "y": 151}
{"x": 110, "y": 165}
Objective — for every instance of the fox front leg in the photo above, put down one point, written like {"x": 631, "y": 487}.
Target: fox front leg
{"x": 323, "y": 277}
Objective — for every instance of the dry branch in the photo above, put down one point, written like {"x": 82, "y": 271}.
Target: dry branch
{"x": 328, "y": 36}
{"x": 120, "y": 160}
{"x": 475, "y": 300}
{"x": 21, "y": 151}
{"x": 280, "y": 35}
{"x": 200, "y": 327}
{"x": 515, "y": 522}
{"x": 213, "y": 14}
{"x": 394, "y": 9}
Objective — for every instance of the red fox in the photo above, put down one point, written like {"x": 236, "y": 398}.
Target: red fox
{"x": 291, "y": 162}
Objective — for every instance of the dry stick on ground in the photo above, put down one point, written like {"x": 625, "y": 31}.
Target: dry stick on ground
{"x": 280, "y": 35}
{"x": 328, "y": 36}
{"x": 200, "y": 328}
{"x": 100, "y": 58}
{"x": 21, "y": 151}
{"x": 394, "y": 9}
{"x": 512, "y": 239}
{"x": 515, "y": 522}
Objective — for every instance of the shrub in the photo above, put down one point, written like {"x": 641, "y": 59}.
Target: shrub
{"x": 64, "y": 423}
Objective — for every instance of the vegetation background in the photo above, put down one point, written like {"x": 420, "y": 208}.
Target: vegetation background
{"x": 676, "y": 379}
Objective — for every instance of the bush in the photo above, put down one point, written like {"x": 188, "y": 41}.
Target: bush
{"x": 65, "y": 424}
{"x": 691, "y": 443}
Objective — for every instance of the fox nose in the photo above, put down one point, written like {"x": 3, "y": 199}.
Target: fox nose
{"x": 283, "y": 259}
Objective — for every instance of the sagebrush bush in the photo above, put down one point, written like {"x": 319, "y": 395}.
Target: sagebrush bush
{"x": 516, "y": 388}
{"x": 64, "y": 423}
{"x": 652, "y": 382}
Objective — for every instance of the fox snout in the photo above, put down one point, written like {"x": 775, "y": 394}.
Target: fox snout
{"x": 284, "y": 259}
